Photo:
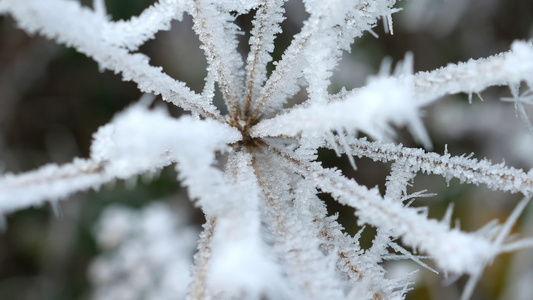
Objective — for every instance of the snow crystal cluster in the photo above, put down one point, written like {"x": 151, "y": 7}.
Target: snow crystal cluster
{"x": 252, "y": 168}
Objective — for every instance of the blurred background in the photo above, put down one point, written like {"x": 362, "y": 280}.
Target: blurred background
{"x": 52, "y": 99}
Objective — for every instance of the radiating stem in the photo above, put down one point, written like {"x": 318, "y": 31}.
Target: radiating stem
{"x": 198, "y": 287}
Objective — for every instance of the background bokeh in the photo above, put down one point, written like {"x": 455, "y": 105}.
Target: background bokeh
{"x": 52, "y": 99}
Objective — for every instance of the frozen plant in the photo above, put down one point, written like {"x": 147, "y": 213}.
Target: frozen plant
{"x": 254, "y": 171}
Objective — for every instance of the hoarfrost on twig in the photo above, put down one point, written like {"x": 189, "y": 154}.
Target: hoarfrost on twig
{"x": 253, "y": 172}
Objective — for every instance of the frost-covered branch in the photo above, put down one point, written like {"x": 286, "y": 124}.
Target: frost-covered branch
{"x": 267, "y": 21}
{"x": 136, "y": 31}
{"x": 509, "y": 68}
{"x": 238, "y": 249}
{"x": 397, "y": 100}
{"x": 453, "y": 251}
{"x": 159, "y": 140}
{"x": 361, "y": 267}
{"x": 469, "y": 170}
{"x": 294, "y": 215}
{"x": 311, "y": 46}
{"x": 504, "y": 69}
{"x": 202, "y": 260}
{"x": 218, "y": 33}
{"x": 49, "y": 182}
{"x": 344, "y": 23}
{"x": 80, "y": 27}
{"x": 372, "y": 110}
